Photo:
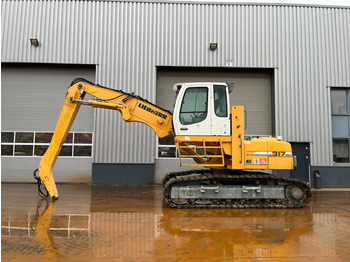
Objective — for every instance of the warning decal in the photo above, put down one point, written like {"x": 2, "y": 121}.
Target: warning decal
{"x": 259, "y": 161}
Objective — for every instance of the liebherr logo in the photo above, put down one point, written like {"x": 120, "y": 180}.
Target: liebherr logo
{"x": 152, "y": 111}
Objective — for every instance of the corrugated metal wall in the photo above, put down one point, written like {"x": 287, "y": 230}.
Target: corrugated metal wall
{"x": 307, "y": 46}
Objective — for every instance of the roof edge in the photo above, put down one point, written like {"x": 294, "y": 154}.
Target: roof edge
{"x": 213, "y": 2}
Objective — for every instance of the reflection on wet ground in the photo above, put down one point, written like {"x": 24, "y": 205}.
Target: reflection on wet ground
{"x": 131, "y": 224}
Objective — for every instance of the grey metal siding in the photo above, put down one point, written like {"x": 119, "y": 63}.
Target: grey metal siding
{"x": 67, "y": 170}
{"x": 307, "y": 46}
{"x": 331, "y": 177}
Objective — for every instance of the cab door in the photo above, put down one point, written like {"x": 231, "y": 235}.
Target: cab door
{"x": 192, "y": 112}
{"x": 202, "y": 109}
{"x": 220, "y": 117}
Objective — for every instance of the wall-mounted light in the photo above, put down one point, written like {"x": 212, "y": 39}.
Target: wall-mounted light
{"x": 34, "y": 42}
{"x": 213, "y": 46}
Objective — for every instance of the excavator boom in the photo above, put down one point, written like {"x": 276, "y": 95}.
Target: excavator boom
{"x": 132, "y": 108}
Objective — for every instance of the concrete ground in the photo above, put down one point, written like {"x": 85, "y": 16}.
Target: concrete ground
{"x": 109, "y": 223}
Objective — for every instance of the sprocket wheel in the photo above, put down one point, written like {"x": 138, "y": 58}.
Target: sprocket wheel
{"x": 295, "y": 193}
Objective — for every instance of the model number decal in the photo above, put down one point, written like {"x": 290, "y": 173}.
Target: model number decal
{"x": 278, "y": 153}
{"x": 270, "y": 154}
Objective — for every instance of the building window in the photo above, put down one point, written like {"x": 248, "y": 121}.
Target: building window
{"x": 36, "y": 144}
{"x": 340, "y": 110}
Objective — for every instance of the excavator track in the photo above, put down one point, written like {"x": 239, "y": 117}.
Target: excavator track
{"x": 237, "y": 189}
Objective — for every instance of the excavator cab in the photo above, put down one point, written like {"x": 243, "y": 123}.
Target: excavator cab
{"x": 202, "y": 109}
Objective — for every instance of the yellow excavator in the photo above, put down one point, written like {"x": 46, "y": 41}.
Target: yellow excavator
{"x": 205, "y": 129}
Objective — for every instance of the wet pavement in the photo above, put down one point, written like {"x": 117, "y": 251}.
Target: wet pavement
{"x": 113, "y": 223}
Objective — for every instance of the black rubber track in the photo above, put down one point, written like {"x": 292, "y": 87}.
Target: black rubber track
{"x": 235, "y": 177}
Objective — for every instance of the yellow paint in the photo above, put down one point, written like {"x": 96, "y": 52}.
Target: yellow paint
{"x": 238, "y": 145}
{"x": 65, "y": 121}
{"x": 42, "y": 231}
{"x": 132, "y": 109}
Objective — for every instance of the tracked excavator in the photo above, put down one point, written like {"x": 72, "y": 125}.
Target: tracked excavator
{"x": 234, "y": 171}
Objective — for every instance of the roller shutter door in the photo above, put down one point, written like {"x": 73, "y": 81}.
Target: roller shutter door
{"x": 32, "y": 96}
{"x": 252, "y": 89}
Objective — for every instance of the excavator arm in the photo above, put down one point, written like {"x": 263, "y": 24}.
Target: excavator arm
{"x": 132, "y": 108}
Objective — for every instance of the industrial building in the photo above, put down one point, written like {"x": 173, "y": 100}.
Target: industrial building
{"x": 290, "y": 65}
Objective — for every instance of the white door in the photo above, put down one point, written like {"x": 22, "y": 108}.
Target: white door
{"x": 220, "y": 115}
{"x": 191, "y": 111}
{"x": 202, "y": 109}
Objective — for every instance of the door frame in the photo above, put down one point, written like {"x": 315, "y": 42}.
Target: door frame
{"x": 307, "y": 144}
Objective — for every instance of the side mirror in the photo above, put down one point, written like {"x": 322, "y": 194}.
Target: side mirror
{"x": 177, "y": 87}
{"x": 230, "y": 87}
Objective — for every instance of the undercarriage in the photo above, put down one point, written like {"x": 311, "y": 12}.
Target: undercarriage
{"x": 233, "y": 189}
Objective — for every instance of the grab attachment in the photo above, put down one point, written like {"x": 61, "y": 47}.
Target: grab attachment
{"x": 42, "y": 191}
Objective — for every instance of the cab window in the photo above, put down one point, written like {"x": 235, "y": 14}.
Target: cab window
{"x": 220, "y": 100}
{"x": 194, "y": 105}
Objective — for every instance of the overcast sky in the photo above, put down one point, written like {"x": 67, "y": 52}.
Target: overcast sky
{"x": 304, "y": 2}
